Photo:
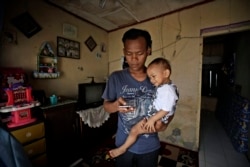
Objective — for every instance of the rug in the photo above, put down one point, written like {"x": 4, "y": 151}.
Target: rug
{"x": 170, "y": 156}
{"x": 174, "y": 156}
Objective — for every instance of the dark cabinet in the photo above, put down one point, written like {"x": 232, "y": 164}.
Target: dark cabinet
{"x": 31, "y": 136}
{"x": 62, "y": 133}
{"x": 96, "y": 140}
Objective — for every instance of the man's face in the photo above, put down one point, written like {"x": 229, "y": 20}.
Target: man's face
{"x": 136, "y": 53}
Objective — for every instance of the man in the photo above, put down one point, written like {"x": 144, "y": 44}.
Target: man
{"x": 133, "y": 83}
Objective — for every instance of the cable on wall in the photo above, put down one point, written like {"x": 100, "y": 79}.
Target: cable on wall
{"x": 161, "y": 35}
{"x": 178, "y": 37}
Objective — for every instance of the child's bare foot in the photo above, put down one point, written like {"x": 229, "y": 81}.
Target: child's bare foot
{"x": 116, "y": 152}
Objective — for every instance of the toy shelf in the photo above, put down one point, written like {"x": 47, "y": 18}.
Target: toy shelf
{"x": 46, "y": 63}
{"x": 23, "y": 106}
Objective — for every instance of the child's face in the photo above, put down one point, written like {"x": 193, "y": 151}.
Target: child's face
{"x": 158, "y": 75}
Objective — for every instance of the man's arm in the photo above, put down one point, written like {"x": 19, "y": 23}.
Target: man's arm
{"x": 110, "y": 106}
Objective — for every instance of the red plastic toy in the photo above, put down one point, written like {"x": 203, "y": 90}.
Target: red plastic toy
{"x": 19, "y": 103}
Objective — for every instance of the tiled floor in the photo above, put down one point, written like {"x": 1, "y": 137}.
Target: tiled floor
{"x": 216, "y": 149}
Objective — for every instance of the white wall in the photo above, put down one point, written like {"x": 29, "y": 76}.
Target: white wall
{"x": 185, "y": 56}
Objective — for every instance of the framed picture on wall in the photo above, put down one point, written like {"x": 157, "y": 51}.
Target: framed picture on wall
{"x": 69, "y": 30}
{"x": 68, "y": 48}
{"x": 90, "y": 43}
{"x": 8, "y": 37}
{"x": 26, "y": 24}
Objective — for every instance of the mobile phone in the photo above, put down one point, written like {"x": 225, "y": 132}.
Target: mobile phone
{"x": 125, "y": 106}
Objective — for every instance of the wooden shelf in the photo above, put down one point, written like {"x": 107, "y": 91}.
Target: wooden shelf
{"x": 44, "y": 75}
{"x": 46, "y": 63}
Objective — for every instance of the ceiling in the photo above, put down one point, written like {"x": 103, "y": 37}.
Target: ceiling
{"x": 111, "y": 15}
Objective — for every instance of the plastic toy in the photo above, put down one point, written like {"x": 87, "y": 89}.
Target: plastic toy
{"x": 19, "y": 103}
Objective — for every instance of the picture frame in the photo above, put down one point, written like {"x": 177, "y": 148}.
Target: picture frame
{"x": 68, "y": 48}
{"x": 9, "y": 37}
{"x": 69, "y": 30}
{"x": 26, "y": 24}
{"x": 90, "y": 43}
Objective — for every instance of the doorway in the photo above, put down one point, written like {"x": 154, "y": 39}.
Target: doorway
{"x": 225, "y": 73}
{"x": 226, "y": 65}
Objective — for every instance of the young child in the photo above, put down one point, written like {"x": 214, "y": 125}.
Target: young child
{"x": 163, "y": 105}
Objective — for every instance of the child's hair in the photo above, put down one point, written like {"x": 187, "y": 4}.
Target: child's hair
{"x": 161, "y": 61}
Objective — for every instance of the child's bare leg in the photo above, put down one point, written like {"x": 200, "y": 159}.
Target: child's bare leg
{"x": 134, "y": 132}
